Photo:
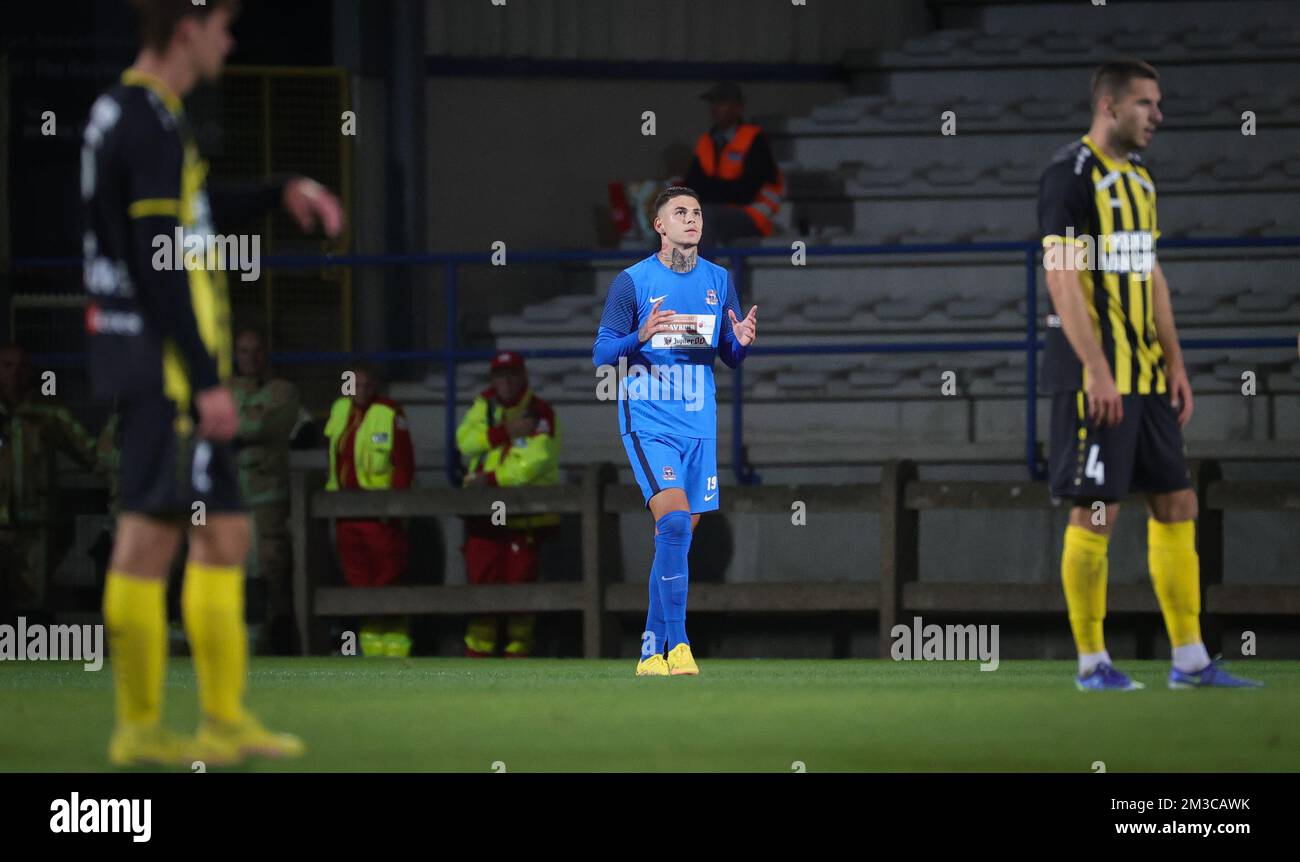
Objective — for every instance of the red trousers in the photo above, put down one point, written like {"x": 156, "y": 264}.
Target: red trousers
{"x": 372, "y": 553}
{"x": 510, "y": 558}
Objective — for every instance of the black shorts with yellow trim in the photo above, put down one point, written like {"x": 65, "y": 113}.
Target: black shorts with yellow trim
{"x": 165, "y": 469}
{"x": 1145, "y": 452}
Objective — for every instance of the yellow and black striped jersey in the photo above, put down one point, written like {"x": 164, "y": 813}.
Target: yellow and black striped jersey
{"x": 153, "y": 326}
{"x": 1109, "y": 208}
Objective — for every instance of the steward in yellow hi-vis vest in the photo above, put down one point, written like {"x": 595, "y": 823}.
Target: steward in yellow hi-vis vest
{"x": 370, "y": 450}
{"x": 734, "y": 172}
{"x": 511, "y": 438}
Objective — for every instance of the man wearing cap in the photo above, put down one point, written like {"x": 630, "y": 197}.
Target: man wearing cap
{"x": 511, "y": 438}
{"x": 737, "y": 178}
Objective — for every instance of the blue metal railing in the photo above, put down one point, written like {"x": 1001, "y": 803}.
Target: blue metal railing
{"x": 451, "y": 354}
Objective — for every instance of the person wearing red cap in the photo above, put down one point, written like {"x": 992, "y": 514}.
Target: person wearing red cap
{"x": 370, "y": 450}
{"x": 511, "y": 438}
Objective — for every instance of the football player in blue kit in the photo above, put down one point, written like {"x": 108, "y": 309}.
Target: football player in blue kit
{"x": 666, "y": 318}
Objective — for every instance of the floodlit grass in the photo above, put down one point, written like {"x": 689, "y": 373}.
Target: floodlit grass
{"x": 546, "y": 715}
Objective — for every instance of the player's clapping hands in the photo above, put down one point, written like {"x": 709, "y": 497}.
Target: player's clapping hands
{"x": 311, "y": 204}
{"x": 658, "y": 321}
{"x": 746, "y": 330}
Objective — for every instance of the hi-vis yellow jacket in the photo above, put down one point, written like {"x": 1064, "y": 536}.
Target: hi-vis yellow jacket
{"x": 533, "y": 460}
{"x": 380, "y": 446}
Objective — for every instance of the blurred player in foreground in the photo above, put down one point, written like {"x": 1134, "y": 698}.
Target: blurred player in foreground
{"x": 661, "y": 328}
{"x": 159, "y": 341}
{"x": 1120, "y": 390}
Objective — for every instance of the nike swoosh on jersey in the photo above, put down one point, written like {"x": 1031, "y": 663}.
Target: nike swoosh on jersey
{"x": 673, "y": 578}
{"x": 710, "y": 497}
{"x": 655, "y": 299}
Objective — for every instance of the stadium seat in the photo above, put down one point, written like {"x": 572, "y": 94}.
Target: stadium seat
{"x": 1058, "y": 42}
{"x": 975, "y": 308}
{"x": 996, "y": 45}
{"x": 1189, "y": 106}
{"x": 907, "y": 112}
{"x": 904, "y": 308}
{"x": 880, "y": 176}
{"x": 1287, "y": 38}
{"x": 874, "y": 378}
{"x": 1047, "y": 109}
{"x": 1137, "y": 42}
{"x": 1204, "y": 39}
{"x": 951, "y": 174}
{"x": 1264, "y": 301}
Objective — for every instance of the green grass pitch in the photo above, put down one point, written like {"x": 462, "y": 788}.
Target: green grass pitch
{"x": 740, "y": 715}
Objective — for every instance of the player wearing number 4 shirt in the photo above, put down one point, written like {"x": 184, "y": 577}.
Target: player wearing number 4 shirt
{"x": 665, "y": 320}
{"x": 1120, "y": 391}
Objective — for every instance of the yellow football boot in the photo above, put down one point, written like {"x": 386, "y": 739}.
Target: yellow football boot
{"x": 133, "y": 745}
{"x": 681, "y": 662}
{"x": 221, "y": 744}
{"x": 653, "y": 666}
{"x": 397, "y": 645}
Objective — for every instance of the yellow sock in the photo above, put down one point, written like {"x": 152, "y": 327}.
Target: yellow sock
{"x": 1083, "y": 573}
{"x": 212, "y": 603}
{"x": 135, "y": 619}
{"x": 1176, "y": 575}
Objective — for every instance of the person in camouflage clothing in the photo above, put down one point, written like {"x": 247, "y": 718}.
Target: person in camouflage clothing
{"x": 268, "y": 411}
{"x": 33, "y": 431}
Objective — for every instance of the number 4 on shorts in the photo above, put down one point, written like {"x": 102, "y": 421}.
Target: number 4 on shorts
{"x": 1095, "y": 469}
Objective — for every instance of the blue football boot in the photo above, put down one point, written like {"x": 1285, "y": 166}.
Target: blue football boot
{"x": 1106, "y": 678}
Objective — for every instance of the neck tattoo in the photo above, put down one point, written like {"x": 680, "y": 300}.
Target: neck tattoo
{"x": 680, "y": 261}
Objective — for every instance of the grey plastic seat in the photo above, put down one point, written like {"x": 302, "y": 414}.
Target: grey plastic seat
{"x": 802, "y": 379}
{"x": 1138, "y": 41}
{"x": 873, "y": 176}
{"x": 1262, "y": 301}
{"x": 1047, "y": 109}
{"x": 951, "y": 175}
{"x": 997, "y": 45}
{"x": 975, "y": 308}
{"x": 1064, "y": 42}
{"x": 905, "y": 308}
{"x": 829, "y": 310}
{"x": 1187, "y": 107}
{"x": 874, "y": 378}
{"x": 907, "y": 112}
{"x": 1278, "y": 37}
{"x": 1019, "y": 174}
{"x": 1200, "y": 39}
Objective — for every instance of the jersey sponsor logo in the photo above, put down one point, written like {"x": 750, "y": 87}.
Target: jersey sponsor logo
{"x": 670, "y": 475}
{"x": 686, "y": 331}
{"x": 381, "y": 437}
{"x": 100, "y": 321}
{"x": 107, "y": 277}
{"x": 655, "y": 299}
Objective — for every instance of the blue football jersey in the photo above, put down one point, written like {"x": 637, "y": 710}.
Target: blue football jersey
{"x": 667, "y": 384}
